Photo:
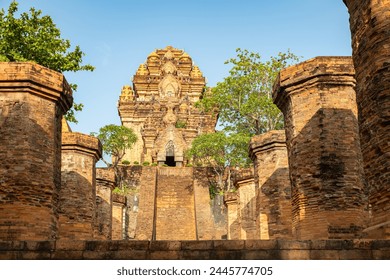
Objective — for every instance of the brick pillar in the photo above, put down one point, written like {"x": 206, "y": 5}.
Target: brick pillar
{"x": 118, "y": 205}
{"x": 317, "y": 99}
{"x": 370, "y": 25}
{"x": 32, "y": 102}
{"x": 105, "y": 183}
{"x": 245, "y": 185}
{"x": 234, "y": 226}
{"x": 273, "y": 188}
{"x": 77, "y": 204}
{"x": 211, "y": 222}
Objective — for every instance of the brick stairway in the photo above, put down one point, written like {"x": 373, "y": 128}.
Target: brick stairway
{"x": 175, "y": 211}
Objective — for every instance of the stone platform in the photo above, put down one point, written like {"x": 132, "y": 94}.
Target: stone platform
{"x": 197, "y": 250}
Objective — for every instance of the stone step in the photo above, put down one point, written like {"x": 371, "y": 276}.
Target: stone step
{"x": 175, "y": 204}
{"x": 175, "y": 171}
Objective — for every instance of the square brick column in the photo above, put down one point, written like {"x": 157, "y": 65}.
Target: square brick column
{"x": 233, "y": 219}
{"x": 77, "y": 205}
{"x": 370, "y": 25}
{"x": 244, "y": 183}
{"x": 317, "y": 99}
{"x": 210, "y": 213}
{"x": 118, "y": 206}
{"x": 32, "y": 102}
{"x": 105, "y": 183}
{"x": 273, "y": 187}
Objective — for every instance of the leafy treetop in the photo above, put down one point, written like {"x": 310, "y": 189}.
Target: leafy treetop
{"x": 115, "y": 139}
{"x": 220, "y": 151}
{"x": 33, "y": 37}
{"x": 244, "y": 98}
{"x": 245, "y": 106}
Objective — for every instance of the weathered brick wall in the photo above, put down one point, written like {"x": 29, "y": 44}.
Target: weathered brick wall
{"x": 175, "y": 204}
{"x": 131, "y": 179}
{"x": 77, "y": 199}
{"x": 370, "y": 25}
{"x": 318, "y": 102}
{"x": 211, "y": 219}
{"x": 185, "y": 188}
{"x": 105, "y": 182}
{"x": 144, "y": 214}
{"x": 246, "y": 195}
{"x": 32, "y": 102}
{"x": 204, "y": 222}
{"x": 118, "y": 205}
{"x": 197, "y": 250}
{"x": 273, "y": 187}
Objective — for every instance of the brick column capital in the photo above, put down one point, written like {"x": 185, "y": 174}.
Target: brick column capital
{"x": 35, "y": 79}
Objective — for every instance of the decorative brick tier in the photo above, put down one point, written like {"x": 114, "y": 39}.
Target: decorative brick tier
{"x": 32, "y": 102}
{"x": 273, "y": 193}
{"x": 317, "y": 99}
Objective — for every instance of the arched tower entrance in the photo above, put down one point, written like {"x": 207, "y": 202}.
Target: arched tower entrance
{"x": 170, "y": 154}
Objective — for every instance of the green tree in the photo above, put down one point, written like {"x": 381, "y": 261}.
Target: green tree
{"x": 244, "y": 98}
{"x": 222, "y": 152}
{"x": 245, "y": 108}
{"x": 33, "y": 37}
{"x": 116, "y": 139}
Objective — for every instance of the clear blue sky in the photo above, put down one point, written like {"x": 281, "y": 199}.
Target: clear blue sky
{"x": 117, "y": 36}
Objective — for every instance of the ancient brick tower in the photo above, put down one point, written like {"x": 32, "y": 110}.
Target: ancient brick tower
{"x": 160, "y": 107}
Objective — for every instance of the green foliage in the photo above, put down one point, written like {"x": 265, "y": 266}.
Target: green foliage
{"x": 146, "y": 163}
{"x": 136, "y": 163}
{"x": 33, "y": 37}
{"x": 245, "y": 108}
{"x": 208, "y": 149}
{"x": 154, "y": 164}
{"x": 180, "y": 124}
{"x": 189, "y": 165}
{"x": 213, "y": 191}
{"x": 117, "y": 190}
{"x": 244, "y": 98}
{"x": 124, "y": 190}
{"x": 220, "y": 149}
{"x": 125, "y": 162}
{"x": 115, "y": 140}
{"x": 71, "y": 114}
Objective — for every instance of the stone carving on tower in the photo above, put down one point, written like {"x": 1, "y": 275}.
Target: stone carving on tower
{"x": 160, "y": 108}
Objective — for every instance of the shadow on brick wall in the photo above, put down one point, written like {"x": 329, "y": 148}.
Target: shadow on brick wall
{"x": 327, "y": 175}
{"x": 274, "y": 201}
{"x": 29, "y": 173}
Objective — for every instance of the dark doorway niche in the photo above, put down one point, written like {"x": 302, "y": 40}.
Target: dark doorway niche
{"x": 170, "y": 161}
